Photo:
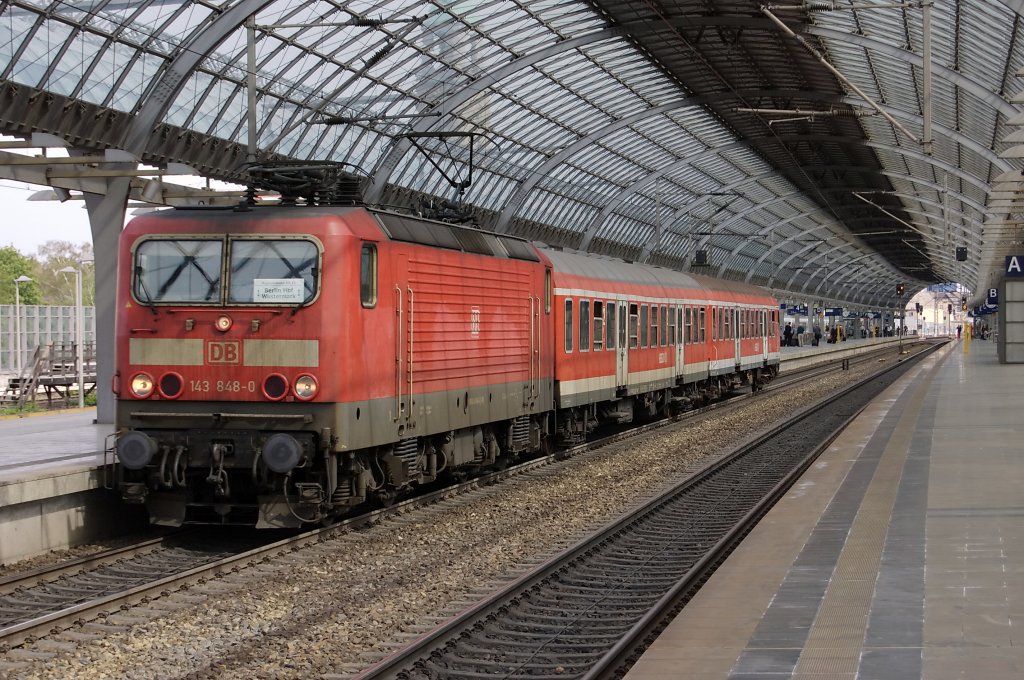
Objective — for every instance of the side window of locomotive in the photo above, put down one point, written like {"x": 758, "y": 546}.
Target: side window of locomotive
{"x": 547, "y": 291}
{"x": 584, "y": 325}
{"x": 568, "y": 326}
{"x": 634, "y": 326}
{"x": 273, "y": 271}
{"x": 598, "y": 325}
{"x": 178, "y": 271}
{"x": 368, "y": 275}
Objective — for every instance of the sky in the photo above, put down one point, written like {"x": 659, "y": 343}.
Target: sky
{"x": 26, "y": 225}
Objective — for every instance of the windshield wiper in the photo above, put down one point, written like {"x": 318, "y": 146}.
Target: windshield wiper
{"x": 142, "y": 283}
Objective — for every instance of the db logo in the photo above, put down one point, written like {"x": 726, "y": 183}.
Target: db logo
{"x": 223, "y": 353}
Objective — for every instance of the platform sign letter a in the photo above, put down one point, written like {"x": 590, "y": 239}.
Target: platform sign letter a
{"x": 1014, "y": 264}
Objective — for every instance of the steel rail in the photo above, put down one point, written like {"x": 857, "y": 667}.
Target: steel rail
{"x": 428, "y": 652}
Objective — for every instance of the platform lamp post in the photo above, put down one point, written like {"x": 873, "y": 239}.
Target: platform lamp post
{"x": 17, "y": 321}
{"x": 79, "y": 330}
{"x": 901, "y": 309}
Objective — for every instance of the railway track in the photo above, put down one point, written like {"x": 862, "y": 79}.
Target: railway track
{"x": 584, "y": 613}
{"x": 36, "y": 604}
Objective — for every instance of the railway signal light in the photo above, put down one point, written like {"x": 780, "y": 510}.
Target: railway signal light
{"x": 900, "y": 288}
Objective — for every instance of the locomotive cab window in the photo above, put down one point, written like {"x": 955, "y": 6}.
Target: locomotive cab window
{"x": 273, "y": 271}
{"x": 368, "y": 275}
{"x": 178, "y": 271}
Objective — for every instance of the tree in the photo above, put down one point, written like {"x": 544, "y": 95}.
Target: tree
{"x": 12, "y": 265}
{"x": 58, "y": 288}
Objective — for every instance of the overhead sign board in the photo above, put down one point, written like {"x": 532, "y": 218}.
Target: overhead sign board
{"x": 833, "y": 311}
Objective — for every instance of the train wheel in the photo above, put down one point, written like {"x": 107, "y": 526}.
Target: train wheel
{"x": 385, "y": 498}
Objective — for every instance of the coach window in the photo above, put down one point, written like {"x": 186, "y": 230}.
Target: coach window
{"x": 547, "y": 291}
{"x": 368, "y": 275}
{"x": 273, "y": 271}
{"x": 665, "y": 330}
{"x": 688, "y": 328}
{"x": 584, "y": 325}
{"x": 568, "y": 326}
{"x": 634, "y": 325}
{"x": 701, "y": 326}
{"x": 654, "y": 326}
{"x": 645, "y": 325}
{"x": 612, "y": 328}
{"x": 598, "y": 325}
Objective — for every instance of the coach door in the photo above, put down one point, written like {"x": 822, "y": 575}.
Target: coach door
{"x": 737, "y": 333}
{"x": 622, "y": 347}
{"x": 680, "y": 345}
{"x": 763, "y": 330}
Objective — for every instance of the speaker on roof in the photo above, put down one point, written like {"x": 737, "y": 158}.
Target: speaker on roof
{"x": 700, "y": 257}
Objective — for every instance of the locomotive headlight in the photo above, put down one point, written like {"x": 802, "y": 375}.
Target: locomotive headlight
{"x": 223, "y": 323}
{"x": 281, "y": 452}
{"x": 135, "y": 449}
{"x": 305, "y": 387}
{"x": 142, "y": 385}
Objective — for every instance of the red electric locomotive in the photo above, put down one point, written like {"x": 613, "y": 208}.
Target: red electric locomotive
{"x": 278, "y": 365}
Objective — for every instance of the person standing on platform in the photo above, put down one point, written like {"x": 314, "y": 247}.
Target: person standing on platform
{"x": 959, "y": 329}
{"x": 787, "y": 335}
{"x": 817, "y": 335}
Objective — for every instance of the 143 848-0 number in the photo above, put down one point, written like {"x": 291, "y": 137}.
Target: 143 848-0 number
{"x": 223, "y": 386}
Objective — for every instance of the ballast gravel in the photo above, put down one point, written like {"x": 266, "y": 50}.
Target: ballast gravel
{"x": 333, "y": 609}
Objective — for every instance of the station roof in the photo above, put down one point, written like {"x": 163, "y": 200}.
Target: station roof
{"x": 810, "y": 148}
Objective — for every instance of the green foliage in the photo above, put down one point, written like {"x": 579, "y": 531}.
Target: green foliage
{"x": 30, "y": 407}
{"x": 49, "y": 285}
{"x": 12, "y": 265}
{"x": 58, "y": 288}
{"x": 90, "y": 399}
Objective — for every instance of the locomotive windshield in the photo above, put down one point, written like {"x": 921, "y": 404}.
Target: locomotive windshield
{"x": 282, "y": 272}
{"x": 260, "y": 271}
{"x": 178, "y": 271}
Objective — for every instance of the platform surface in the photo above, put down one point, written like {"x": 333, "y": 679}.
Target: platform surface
{"x": 43, "y": 443}
{"x": 899, "y": 554}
